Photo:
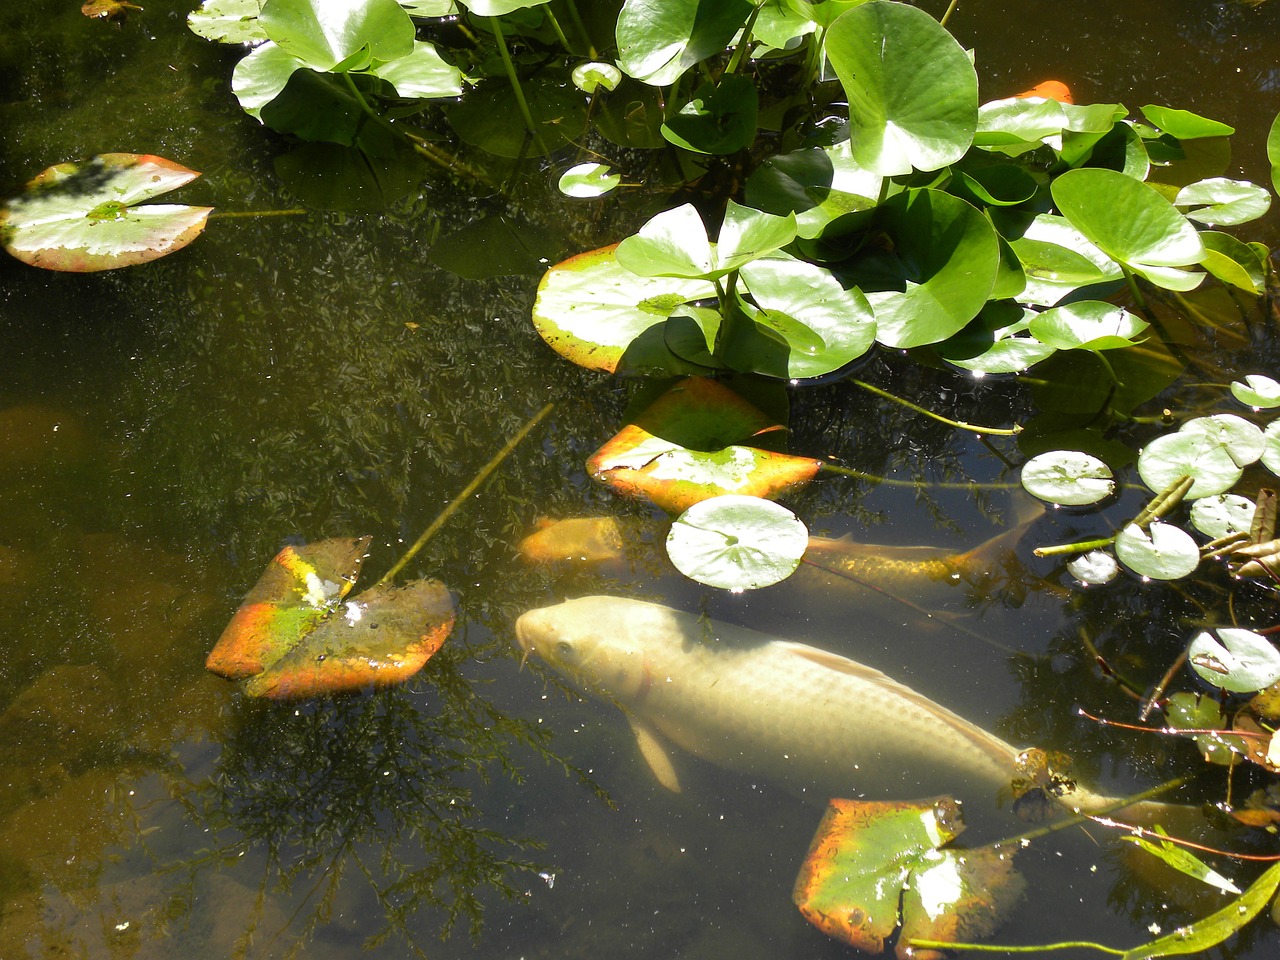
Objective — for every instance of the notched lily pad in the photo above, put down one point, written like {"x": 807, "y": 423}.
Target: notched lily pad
{"x": 294, "y": 636}
{"x": 82, "y": 217}
{"x": 737, "y": 543}
{"x": 689, "y": 445}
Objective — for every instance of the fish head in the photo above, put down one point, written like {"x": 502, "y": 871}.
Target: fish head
{"x": 590, "y": 645}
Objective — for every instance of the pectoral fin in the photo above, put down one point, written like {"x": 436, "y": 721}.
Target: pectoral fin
{"x": 655, "y": 755}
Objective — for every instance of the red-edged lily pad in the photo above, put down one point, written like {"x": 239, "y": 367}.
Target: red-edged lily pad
{"x": 82, "y": 217}
{"x": 296, "y": 636}
{"x": 873, "y": 867}
{"x": 689, "y": 445}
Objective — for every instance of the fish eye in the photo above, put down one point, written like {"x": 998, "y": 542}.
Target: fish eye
{"x": 564, "y": 650}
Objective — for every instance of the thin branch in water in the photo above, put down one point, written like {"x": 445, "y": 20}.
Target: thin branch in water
{"x": 958, "y": 424}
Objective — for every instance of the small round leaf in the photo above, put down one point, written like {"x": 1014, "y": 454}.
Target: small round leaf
{"x": 1222, "y": 515}
{"x": 1161, "y": 552}
{"x": 737, "y": 543}
{"x": 588, "y": 180}
{"x": 1237, "y": 660}
{"x": 1257, "y": 391}
{"x": 1067, "y": 477}
{"x": 1094, "y": 568}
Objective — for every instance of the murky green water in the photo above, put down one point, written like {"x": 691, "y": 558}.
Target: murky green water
{"x": 164, "y": 430}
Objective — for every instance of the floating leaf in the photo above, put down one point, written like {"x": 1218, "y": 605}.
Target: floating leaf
{"x": 1220, "y": 202}
{"x": 1237, "y": 660}
{"x": 1067, "y": 477}
{"x": 689, "y": 445}
{"x": 1271, "y": 452}
{"x": 1191, "y": 711}
{"x": 720, "y": 118}
{"x": 595, "y": 312}
{"x": 1222, "y": 515}
{"x": 1183, "y": 860}
{"x": 594, "y": 75}
{"x": 588, "y": 180}
{"x": 1057, "y": 259}
{"x": 818, "y": 184}
{"x": 737, "y": 543}
{"x": 1233, "y": 262}
{"x": 900, "y": 116}
{"x": 228, "y": 21}
{"x": 660, "y": 39}
{"x": 1184, "y": 124}
{"x": 381, "y": 638}
{"x": 339, "y": 35}
{"x": 1094, "y": 568}
{"x": 1161, "y": 552}
{"x": 421, "y": 74}
{"x": 1087, "y": 325}
{"x": 299, "y": 588}
{"x": 1210, "y": 450}
{"x": 81, "y": 217}
{"x": 1257, "y": 391}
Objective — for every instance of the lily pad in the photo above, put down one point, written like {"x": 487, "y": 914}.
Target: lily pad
{"x": 1094, "y": 568}
{"x": 1087, "y": 325}
{"x": 1160, "y": 552}
{"x": 1220, "y": 202}
{"x": 737, "y": 543}
{"x": 1068, "y": 477}
{"x": 1222, "y": 515}
{"x": 1236, "y": 659}
{"x": 228, "y": 21}
{"x": 1191, "y": 711}
{"x": 294, "y": 636}
{"x": 1210, "y": 450}
{"x": 339, "y": 35}
{"x": 588, "y": 180}
{"x": 82, "y": 217}
{"x": 690, "y": 445}
{"x": 594, "y": 75}
{"x": 660, "y": 39}
{"x": 1257, "y": 391}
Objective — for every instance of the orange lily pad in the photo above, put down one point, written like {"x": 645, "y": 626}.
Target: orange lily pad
{"x": 691, "y": 444}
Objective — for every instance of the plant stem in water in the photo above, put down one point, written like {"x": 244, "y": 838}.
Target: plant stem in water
{"x": 959, "y": 424}
{"x": 485, "y": 472}
{"x": 510, "y": 67}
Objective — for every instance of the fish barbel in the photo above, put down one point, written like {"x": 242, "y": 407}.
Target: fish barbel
{"x": 757, "y": 704}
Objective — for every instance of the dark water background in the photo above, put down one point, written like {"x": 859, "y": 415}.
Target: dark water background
{"x": 165, "y": 429}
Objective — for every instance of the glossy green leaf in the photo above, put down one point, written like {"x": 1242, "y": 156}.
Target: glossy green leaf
{"x": 748, "y": 234}
{"x": 1271, "y": 451}
{"x": 1184, "y": 124}
{"x": 660, "y": 39}
{"x": 1188, "y": 454}
{"x": 1233, "y": 262}
{"x": 1160, "y": 552}
{"x": 996, "y": 342}
{"x": 262, "y": 75}
{"x": 1017, "y": 124}
{"x": 600, "y": 315}
{"x": 694, "y": 442}
{"x": 423, "y": 73}
{"x": 228, "y": 21}
{"x": 1257, "y": 391}
{"x": 594, "y": 75}
{"x": 903, "y": 117}
{"x": 1220, "y": 202}
{"x": 331, "y": 34}
{"x": 1088, "y": 325}
{"x": 1129, "y": 222}
{"x": 737, "y": 543}
{"x": 588, "y": 180}
{"x": 1184, "y": 861}
{"x": 1067, "y": 477}
{"x": 1236, "y": 659}
{"x": 839, "y": 323}
{"x": 1273, "y": 152}
{"x": 719, "y": 118}
{"x": 1191, "y": 711}
{"x": 1057, "y": 259}
{"x": 942, "y": 270}
{"x": 818, "y": 185}
{"x": 1222, "y": 515}
{"x": 499, "y": 8}
{"x": 83, "y": 217}
{"x": 672, "y": 244}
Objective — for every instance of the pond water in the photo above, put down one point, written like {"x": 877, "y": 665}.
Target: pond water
{"x": 164, "y": 431}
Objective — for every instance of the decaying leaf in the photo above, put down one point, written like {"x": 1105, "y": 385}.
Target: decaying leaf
{"x": 690, "y": 445}
{"x": 107, "y": 9}
{"x": 295, "y": 635}
{"x": 867, "y": 857}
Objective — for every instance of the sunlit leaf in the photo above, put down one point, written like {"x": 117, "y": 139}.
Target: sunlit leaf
{"x": 1238, "y": 660}
{"x": 737, "y": 543}
{"x": 1087, "y": 325}
{"x": 1210, "y": 450}
{"x": 900, "y": 116}
{"x": 960, "y": 895}
{"x": 588, "y": 180}
{"x": 228, "y": 21}
{"x": 1233, "y": 262}
{"x": 1220, "y": 202}
{"x": 299, "y": 588}
{"x": 1057, "y": 259}
{"x": 660, "y": 39}
{"x": 1184, "y": 861}
{"x": 1222, "y": 515}
{"x": 672, "y": 244}
{"x": 421, "y": 74}
{"x": 1271, "y": 452}
{"x": 692, "y": 444}
{"x": 1094, "y": 568}
{"x": 381, "y": 638}
{"x": 1161, "y": 552}
{"x": 600, "y": 315}
{"x": 1184, "y": 124}
{"x": 339, "y": 34}
{"x": 720, "y": 118}
{"x": 1068, "y": 477}
{"x": 818, "y": 184}
{"x": 1257, "y": 391}
{"x": 594, "y": 75}
{"x": 1191, "y": 711}
{"x": 1273, "y": 152}
{"x": 82, "y": 217}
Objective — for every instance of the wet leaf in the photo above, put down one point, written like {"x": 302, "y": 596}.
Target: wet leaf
{"x": 381, "y": 638}
{"x": 1191, "y": 711}
{"x": 1183, "y": 860}
{"x": 588, "y": 180}
{"x": 1220, "y": 202}
{"x": 82, "y": 217}
{"x": 1210, "y": 450}
{"x": 737, "y": 543}
{"x": 593, "y": 76}
{"x": 1236, "y": 659}
{"x": 300, "y": 586}
{"x": 1087, "y": 325}
{"x": 865, "y": 857}
{"x": 690, "y": 445}
{"x": 1257, "y": 391}
{"x": 1161, "y": 552}
{"x": 1222, "y": 515}
{"x": 228, "y": 21}
{"x": 660, "y": 39}
{"x": 1067, "y": 477}
{"x": 339, "y": 35}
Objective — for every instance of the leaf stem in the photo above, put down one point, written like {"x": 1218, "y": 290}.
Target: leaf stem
{"x": 993, "y": 948}
{"x": 1080, "y": 546}
{"x": 915, "y": 484}
{"x": 959, "y": 424}
{"x": 740, "y": 51}
{"x": 485, "y": 472}
{"x": 235, "y": 214}
{"x": 514, "y": 80}
{"x": 951, "y": 8}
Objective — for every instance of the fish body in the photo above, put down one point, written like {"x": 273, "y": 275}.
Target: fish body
{"x": 754, "y": 703}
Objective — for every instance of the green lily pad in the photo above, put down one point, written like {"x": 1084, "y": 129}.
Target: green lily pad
{"x": 693, "y": 443}
{"x": 1131, "y": 223}
{"x": 594, "y": 75}
{"x": 1087, "y": 325}
{"x": 1191, "y": 711}
{"x": 82, "y": 217}
{"x": 593, "y": 311}
{"x": 1236, "y": 659}
{"x": 1273, "y": 152}
{"x": 228, "y": 21}
{"x": 660, "y": 39}
{"x": 903, "y": 117}
{"x": 675, "y": 244}
{"x": 719, "y": 118}
{"x": 737, "y": 543}
{"x": 942, "y": 270}
{"x": 338, "y": 36}
{"x": 1057, "y": 259}
{"x": 1271, "y": 452}
{"x": 421, "y": 74}
{"x": 1067, "y": 477}
{"x": 817, "y": 184}
{"x": 1160, "y": 552}
{"x": 1234, "y": 262}
{"x": 1222, "y": 515}
{"x": 588, "y": 180}
{"x": 1210, "y": 450}
{"x": 1257, "y": 391}
{"x": 1220, "y": 202}
{"x": 1184, "y": 124}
